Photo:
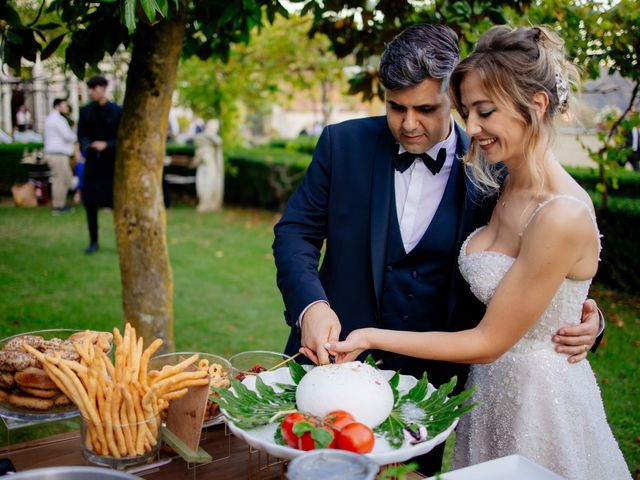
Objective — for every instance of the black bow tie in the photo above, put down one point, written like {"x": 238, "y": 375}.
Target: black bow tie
{"x": 406, "y": 159}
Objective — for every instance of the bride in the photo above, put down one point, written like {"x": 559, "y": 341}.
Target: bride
{"x": 532, "y": 265}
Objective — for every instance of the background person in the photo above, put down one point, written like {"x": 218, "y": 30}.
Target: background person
{"x": 97, "y": 130}
{"x": 59, "y": 145}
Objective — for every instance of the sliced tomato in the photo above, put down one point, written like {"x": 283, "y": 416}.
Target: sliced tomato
{"x": 356, "y": 437}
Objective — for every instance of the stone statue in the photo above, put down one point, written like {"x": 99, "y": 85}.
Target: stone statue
{"x": 210, "y": 168}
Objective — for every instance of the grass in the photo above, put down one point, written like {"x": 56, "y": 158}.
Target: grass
{"x": 226, "y": 300}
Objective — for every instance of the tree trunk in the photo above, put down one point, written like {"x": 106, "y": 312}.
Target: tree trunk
{"x": 139, "y": 213}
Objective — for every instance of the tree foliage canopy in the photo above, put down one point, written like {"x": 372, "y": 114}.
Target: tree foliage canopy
{"x": 279, "y": 60}
{"x": 363, "y": 28}
{"x": 92, "y": 29}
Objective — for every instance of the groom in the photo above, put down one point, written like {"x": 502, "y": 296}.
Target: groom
{"x": 390, "y": 198}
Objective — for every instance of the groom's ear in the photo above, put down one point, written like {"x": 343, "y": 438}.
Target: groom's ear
{"x": 540, "y": 103}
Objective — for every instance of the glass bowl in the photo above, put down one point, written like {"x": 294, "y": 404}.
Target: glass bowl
{"x": 253, "y": 362}
{"x": 119, "y": 445}
{"x": 220, "y": 377}
{"x": 62, "y": 407}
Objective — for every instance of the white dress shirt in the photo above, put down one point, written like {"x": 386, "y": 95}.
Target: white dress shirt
{"x": 419, "y": 192}
{"x": 58, "y": 136}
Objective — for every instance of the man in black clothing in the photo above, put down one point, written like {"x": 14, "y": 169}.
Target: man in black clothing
{"x": 97, "y": 130}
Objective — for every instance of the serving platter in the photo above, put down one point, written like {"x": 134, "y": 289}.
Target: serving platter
{"x": 262, "y": 438}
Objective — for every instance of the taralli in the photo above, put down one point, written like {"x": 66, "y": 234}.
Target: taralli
{"x": 120, "y": 401}
{"x": 219, "y": 379}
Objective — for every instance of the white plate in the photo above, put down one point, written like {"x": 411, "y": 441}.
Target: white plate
{"x": 383, "y": 454}
{"x": 505, "y": 468}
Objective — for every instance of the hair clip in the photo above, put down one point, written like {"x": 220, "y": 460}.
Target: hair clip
{"x": 562, "y": 89}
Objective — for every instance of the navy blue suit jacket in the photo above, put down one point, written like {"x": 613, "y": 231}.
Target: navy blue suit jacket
{"x": 344, "y": 201}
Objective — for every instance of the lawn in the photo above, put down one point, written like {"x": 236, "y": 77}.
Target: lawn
{"x": 226, "y": 300}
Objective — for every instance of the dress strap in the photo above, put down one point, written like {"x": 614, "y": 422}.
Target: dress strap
{"x": 541, "y": 205}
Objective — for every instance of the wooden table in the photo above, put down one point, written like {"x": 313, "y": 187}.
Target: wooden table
{"x": 232, "y": 458}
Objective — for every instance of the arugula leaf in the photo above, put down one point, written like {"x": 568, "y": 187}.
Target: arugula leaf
{"x": 279, "y": 439}
{"x": 249, "y": 409}
{"x": 438, "y": 410}
{"x": 391, "y": 429}
{"x": 371, "y": 361}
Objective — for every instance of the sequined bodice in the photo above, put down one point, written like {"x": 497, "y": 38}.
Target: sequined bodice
{"x": 484, "y": 272}
{"x": 532, "y": 401}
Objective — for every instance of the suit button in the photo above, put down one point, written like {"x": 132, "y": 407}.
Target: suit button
{"x": 410, "y": 296}
{"x": 414, "y": 274}
{"x": 389, "y": 268}
{"x": 405, "y": 317}
{"x": 385, "y": 289}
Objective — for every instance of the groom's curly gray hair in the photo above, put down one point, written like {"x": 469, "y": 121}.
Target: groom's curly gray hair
{"x": 420, "y": 52}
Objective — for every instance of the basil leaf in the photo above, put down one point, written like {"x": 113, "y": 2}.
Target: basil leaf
{"x": 322, "y": 438}
{"x": 297, "y": 372}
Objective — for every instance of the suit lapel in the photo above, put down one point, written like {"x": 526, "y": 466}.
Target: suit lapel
{"x": 381, "y": 192}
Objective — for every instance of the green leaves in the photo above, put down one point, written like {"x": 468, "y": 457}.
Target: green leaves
{"x": 249, "y": 409}
{"x": 297, "y": 372}
{"x": 129, "y": 15}
{"x": 436, "y": 411}
{"x": 320, "y": 435}
{"x": 148, "y": 11}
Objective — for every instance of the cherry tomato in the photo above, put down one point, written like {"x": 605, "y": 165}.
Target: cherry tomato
{"x": 338, "y": 419}
{"x": 287, "y": 428}
{"x": 306, "y": 432}
{"x": 324, "y": 438}
{"x": 356, "y": 437}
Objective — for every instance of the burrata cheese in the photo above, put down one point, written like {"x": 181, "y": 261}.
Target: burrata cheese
{"x": 354, "y": 387}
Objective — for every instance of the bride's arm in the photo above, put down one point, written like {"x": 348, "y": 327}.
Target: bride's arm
{"x": 558, "y": 238}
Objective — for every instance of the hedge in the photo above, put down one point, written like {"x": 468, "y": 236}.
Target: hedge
{"x": 303, "y": 144}
{"x": 628, "y": 181}
{"x": 11, "y": 170}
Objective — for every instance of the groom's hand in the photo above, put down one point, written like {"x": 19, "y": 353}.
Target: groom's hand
{"x": 319, "y": 325}
{"x": 577, "y": 340}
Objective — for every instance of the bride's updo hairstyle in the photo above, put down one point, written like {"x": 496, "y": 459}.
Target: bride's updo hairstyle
{"x": 513, "y": 64}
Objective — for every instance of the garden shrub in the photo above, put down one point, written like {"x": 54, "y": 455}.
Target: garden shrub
{"x": 11, "y": 170}
{"x": 302, "y": 144}
{"x": 628, "y": 181}
{"x": 620, "y": 227}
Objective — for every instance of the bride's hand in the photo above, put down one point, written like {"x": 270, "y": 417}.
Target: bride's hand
{"x": 350, "y": 348}
{"x": 577, "y": 340}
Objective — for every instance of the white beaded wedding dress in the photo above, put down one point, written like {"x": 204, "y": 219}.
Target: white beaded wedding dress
{"x": 532, "y": 401}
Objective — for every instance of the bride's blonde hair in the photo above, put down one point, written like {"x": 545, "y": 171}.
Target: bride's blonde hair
{"x": 513, "y": 64}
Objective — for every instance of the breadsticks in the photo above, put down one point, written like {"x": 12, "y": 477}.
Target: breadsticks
{"x": 120, "y": 401}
